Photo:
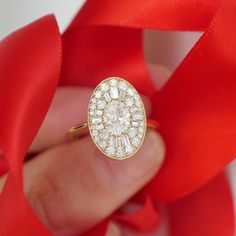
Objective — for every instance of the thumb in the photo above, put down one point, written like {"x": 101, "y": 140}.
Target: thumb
{"x": 73, "y": 186}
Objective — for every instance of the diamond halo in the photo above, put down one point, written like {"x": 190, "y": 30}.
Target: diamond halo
{"x": 116, "y": 118}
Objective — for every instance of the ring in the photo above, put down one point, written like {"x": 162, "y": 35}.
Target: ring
{"x": 116, "y": 119}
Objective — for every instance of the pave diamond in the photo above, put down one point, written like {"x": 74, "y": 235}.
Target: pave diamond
{"x": 117, "y": 121}
{"x": 132, "y": 132}
{"x": 137, "y": 116}
{"x": 104, "y": 134}
{"x": 123, "y": 85}
{"x": 98, "y": 94}
{"x": 110, "y": 151}
{"x": 129, "y": 102}
{"x": 105, "y": 87}
{"x": 129, "y": 149}
{"x": 101, "y": 104}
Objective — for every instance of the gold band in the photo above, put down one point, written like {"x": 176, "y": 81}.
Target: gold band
{"x": 78, "y": 131}
{"x": 81, "y": 130}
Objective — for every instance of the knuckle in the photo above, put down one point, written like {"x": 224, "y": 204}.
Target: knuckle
{"x": 50, "y": 200}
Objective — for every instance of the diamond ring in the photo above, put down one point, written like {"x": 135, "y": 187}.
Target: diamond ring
{"x": 116, "y": 119}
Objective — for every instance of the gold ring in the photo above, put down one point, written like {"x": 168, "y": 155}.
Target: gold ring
{"x": 116, "y": 119}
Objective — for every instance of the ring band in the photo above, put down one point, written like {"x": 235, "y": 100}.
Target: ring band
{"x": 81, "y": 130}
{"x": 116, "y": 119}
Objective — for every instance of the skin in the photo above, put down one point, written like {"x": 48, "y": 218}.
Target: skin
{"x": 72, "y": 186}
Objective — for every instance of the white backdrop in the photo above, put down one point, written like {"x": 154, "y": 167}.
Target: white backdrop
{"x": 16, "y": 13}
{"x": 161, "y": 49}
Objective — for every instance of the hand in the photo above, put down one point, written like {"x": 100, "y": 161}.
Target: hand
{"x": 71, "y": 186}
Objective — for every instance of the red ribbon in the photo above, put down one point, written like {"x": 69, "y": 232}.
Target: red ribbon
{"x": 196, "y": 107}
{"x": 30, "y": 62}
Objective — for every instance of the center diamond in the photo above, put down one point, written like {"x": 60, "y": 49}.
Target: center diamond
{"x": 116, "y": 117}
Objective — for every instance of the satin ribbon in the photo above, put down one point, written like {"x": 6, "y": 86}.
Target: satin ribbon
{"x": 196, "y": 107}
{"x": 30, "y": 61}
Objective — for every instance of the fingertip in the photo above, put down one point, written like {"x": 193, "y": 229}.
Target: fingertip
{"x": 147, "y": 105}
{"x": 156, "y": 141}
{"x": 113, "y": 229}
{"x": 138, "y": 169}
{"x": 159, "y": 74}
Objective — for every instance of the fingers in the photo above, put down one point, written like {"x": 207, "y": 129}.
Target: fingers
{"x": 69, "y": 108}
{"x": 73, "y": 186}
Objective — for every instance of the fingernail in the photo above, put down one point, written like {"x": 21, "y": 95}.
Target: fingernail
{"x": 113, "y": 230}
{"x": 154, "y": 147}
{"x": 159, "y": 74}
{"x": 153, "y": 139}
